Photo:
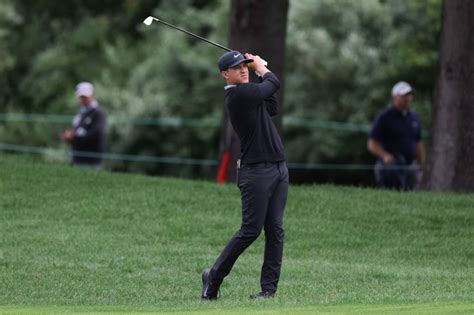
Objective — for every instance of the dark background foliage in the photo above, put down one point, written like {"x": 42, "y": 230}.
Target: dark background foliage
{"x": 343, "y": 57}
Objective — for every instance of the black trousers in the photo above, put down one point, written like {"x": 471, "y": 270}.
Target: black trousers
{"x": 264, "y": 190}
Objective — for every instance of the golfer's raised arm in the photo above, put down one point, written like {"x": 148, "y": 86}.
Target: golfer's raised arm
{"x": 270, "y": 83}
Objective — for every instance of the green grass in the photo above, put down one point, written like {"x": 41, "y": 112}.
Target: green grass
{"x": 75, "y": 240}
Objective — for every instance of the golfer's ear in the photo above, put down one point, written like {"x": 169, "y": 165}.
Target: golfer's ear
{"x": 224, "y": 74}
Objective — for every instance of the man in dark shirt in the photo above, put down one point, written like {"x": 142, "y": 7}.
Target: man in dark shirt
{"x": 395, "y": 139}
{"x": 262, "y": 174}
{"x": 87, "y": 135}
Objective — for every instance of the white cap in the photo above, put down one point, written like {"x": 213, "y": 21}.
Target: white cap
{"x": 401, "y": 88}
{"x": 84, "y": 89}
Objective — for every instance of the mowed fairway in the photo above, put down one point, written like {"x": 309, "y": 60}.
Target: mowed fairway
{"x": 80, "y": 241}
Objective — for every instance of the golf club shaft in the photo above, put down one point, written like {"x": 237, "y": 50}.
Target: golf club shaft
{"x": 192, "y": 34}
{"x": 150, "y": 19}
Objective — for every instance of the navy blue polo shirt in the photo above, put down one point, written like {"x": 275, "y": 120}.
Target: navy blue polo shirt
{"x": 397, "y": 132}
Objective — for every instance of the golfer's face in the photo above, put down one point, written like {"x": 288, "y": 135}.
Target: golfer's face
{"x": 238, "y": 74}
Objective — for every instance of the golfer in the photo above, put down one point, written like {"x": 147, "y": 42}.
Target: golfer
{"x": 262, "y": 174}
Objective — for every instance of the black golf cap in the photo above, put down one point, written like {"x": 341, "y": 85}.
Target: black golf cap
{"x": 231, "y": 59}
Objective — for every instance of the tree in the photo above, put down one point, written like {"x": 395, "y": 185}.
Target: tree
{"x": 139, "y": 72}
{"x": 257, "y": 27}
{"x": 343, "y": 57}
{"x": 451, "y": 150}
{"x": 9, "y": 17}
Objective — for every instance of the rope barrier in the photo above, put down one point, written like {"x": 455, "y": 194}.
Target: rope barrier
{"x": 108, "y": 156}
{"x": 182, "y": 122}
{"x": 321, "y": 124}
{"x": 333, "y": 167}
{"x": 187, "y": 161}
{"x": 144, "y": 121}
{"x": 350, "y": 167}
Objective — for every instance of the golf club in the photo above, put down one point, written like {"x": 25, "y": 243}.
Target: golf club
{"x": 150, "y": 20}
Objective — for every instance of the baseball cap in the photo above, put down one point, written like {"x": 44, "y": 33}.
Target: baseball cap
{"x": 231, "y": 59}
{"x": 84, "y": 89}
{"x": 401, "y": 88}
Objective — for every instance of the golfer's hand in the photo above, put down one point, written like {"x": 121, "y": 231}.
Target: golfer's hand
{"x": 258, "y": 64}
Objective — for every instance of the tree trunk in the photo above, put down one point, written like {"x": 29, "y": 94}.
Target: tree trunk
{"x": 450, "y": 165}
{"x": 257, "y": 27}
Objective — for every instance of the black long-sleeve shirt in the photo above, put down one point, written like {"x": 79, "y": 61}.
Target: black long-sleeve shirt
{"x": 89, "y": 135}
{"x": 250, "y": 107}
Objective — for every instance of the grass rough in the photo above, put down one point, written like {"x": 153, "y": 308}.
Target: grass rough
{"x": 84, "y": 241}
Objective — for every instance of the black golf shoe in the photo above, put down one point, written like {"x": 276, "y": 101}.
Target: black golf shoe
{"x": 209, "y": 291}
{"x": 262, "y": 295}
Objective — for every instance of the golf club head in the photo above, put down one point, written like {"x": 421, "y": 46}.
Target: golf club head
{"x": 148, "y": 21}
